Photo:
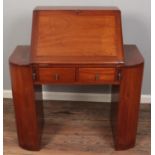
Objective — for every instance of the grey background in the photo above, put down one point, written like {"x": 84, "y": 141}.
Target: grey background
{"x": 136, "y": 20}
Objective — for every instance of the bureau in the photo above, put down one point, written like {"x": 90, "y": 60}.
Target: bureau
{"x": 76, "y": 46}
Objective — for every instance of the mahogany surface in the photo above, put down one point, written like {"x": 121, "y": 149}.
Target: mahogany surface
{"x": 28, "y": 106}
{"x": 73, "y": 36}
{"x": 125, "y": 107}
{"x": 21, "y": 56}
{"x": 126, "y": 92}
{"x": 76, "y": 45}
{"x": 97, "y": 74}
{"x": 56, "y": 75}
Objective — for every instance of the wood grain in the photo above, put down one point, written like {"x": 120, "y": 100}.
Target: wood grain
{"x": 21, "y": 56}
{"x": 77, "y": 128}
{"x": 27, "y": 106}
{"x": 125, "y": 107}
{"x": 56, "y": 75}
{"x": 97, "y": 74}
{"x": 63, "y": 34}
{"x": 128, "y": 92}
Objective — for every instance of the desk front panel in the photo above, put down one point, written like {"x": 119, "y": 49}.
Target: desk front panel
{"x": 76, "y": 75}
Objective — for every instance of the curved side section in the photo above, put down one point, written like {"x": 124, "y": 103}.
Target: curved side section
{"x": 28, "y": 111}
{"x": 126, "y": 99}
{"x": 20, "y": 56}
{"x": 125, "y": 106}
{"x": 132, "y": 55}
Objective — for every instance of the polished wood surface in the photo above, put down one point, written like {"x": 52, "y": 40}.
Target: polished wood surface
{"x": 61, "y": 36}
{"x": 125, "y": 92}
{"x": 125, "y": 107}
{"x": 27, "y": 106}
{"x": 56, "y": 75}
{"x": 97, "y": 74}
{"x": 77, "y": 128}
{"x": 76, "y": 46}
{"x": 132, "y": 55}
{"x": 20, "y": 56}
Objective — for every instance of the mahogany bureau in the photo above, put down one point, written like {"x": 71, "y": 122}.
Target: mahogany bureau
{"x": 77, "y": 46}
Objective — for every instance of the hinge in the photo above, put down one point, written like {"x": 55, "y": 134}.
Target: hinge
{"x": 34, "y": 76}
{"x": 119, "y": 75}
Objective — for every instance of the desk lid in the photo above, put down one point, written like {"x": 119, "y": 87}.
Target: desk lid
{"x": 77, "y": 35}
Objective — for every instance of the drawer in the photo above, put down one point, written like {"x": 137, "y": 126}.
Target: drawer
{"x": 97, "y": 75}
{"x": 54, "y": 75}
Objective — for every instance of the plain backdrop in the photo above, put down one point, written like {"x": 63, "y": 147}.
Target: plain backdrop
{"x": 136, "y": 20}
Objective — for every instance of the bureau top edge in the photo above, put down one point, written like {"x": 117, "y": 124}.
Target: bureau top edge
{"x": 47, "y": 8}
{"x": 21, "y": 56}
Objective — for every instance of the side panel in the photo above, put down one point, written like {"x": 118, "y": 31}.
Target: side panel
{"x": 125, "y": 107}
{"x": 27, "y": 109}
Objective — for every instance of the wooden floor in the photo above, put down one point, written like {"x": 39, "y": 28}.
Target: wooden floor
{"x": 76, "y": 128}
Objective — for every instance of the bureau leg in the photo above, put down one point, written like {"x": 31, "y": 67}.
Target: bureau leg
{"x": 125, "y": 107}
{"x": 27, "y": 100}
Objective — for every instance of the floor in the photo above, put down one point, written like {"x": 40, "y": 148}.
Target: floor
{"x": 76, "y": 128}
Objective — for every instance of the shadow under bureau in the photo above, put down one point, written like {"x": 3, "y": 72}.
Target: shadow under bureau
{"x": 76, "y": 46}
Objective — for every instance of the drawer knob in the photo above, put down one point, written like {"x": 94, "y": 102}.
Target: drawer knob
{"x": 56, "y": 76}
{"x": 97, "y": 76}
